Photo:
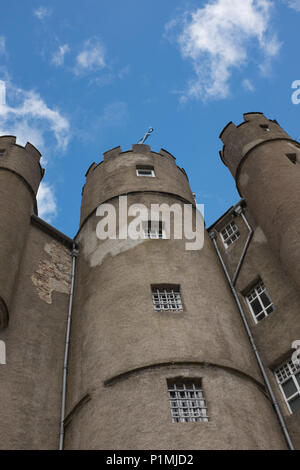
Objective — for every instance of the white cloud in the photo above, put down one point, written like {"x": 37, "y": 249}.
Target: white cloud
{"x": 42, "y": 12}
{"x": 29, "y": 118}
{"x": 218, "y": 37}
{"x": 58, "y": 57}
{"x": 2, "y": 45}
{"x": 47, "y": 207}
{"x": 294, "y": 4}
{"x": 91, "y": 57}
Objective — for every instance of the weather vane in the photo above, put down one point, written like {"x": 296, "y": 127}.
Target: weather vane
{"x": 149, "y": 132}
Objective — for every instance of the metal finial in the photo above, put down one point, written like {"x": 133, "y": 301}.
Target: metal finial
{"x": 149, "y": 132}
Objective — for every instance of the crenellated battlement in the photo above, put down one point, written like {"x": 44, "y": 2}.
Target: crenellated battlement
{"x": 116, "y": 174}
{"x": 239, "y": 140}
{"x": 24, "y": 161}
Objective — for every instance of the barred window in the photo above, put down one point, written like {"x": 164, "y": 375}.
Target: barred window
{"x": 259, "y": 302}
{"x": 187, "y": 403}
{"x": 230, "y": 234}
{"x": 153, "y": 229}
{"x": 145, "y": 170}
{"x": 166, "y": 298}
{"x": 288, "y": 378}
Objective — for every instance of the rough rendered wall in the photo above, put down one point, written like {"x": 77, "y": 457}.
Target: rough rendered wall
{"x": 30, "y": 382}
{"x": 274, "y": 334}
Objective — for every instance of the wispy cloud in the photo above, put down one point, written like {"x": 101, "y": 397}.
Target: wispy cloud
{"x": 2, "y": 45}
{"x": 248, "y": 85}
{"x": 220, "y": 37}
{"x": 91, "y": 58}
{"x": 42, "y": 12}
{"x": 29, "y": 117}
{"x": 58, "y": 57}
{"x": 47, "y": 206}
{"x": 294, "y": 4}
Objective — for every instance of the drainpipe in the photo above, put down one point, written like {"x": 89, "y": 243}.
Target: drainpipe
{"x": 261, "y": 366}
{"x": 74, "y": 255}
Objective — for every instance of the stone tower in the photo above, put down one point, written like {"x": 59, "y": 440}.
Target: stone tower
{"x": 132, "y": 359}
{"x": 20, "y": 176}
{"x": 263, "y": 158}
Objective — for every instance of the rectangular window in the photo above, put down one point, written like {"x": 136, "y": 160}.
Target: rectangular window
{"x": 259, "y": 302}
{"x": 145, "y": 170}
{"x": 230, "y": 234}
{"x": 288, "y": 378}
{"x": 187, "y": 403}
{"x": 2, "y": 152}
{"x": 265, "y": 127}
{"x": 153, "y": 229}
{"x": 166, "y": 298}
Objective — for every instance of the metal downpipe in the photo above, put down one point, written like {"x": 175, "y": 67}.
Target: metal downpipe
{"x": 74, "y": 255}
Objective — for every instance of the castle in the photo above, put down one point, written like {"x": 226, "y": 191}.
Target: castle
{"x": 121, "y": 344}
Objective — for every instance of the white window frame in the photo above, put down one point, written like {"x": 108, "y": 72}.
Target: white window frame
{"x": 154, "y": 230}
{"x": 285, "y": 372}
{"x": 166, "y": 299}
{"x": 229, "y": 238}
{"x": 187, "y": 402}
{"x": 151, "y": 172}
{"x": 255, "y": 292}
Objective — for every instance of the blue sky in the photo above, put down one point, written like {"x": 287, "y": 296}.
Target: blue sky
{"x": 78, "y": 78}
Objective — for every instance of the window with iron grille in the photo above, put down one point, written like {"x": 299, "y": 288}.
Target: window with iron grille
{"x": 167, "y": 298}
{"x": 145, "y": 170}
{"x": 187, "y": 403}
{"x": 153, "y": 229}
{"x": 288, "y": 378}
{"x": 230, "y": 234}
{"x": 259, "y": 302}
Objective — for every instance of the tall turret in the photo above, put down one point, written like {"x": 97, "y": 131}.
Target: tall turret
{"x": 20, "y": 176}
{"x": 159, "y": 358}
{"x": 265, "y": 162}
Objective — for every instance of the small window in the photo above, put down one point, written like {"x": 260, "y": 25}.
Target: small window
{"x": 2, "y": 152}
{"x": 187, "y": 403}
{"x": 230, "y": 234}
{"x": 265, "y": 127}
{"x": 292, "y": 157}
{"x": 167, "y": 298}
{"x": 144, "y": 170}
{"x": 288, "y": 378}
{"x": 259, "y": 302}
{"x": 153, "y": 229}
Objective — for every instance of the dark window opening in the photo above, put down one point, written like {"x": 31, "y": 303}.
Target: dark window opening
{"x": 265, "y": 127}
{"x": 292, "y": 157}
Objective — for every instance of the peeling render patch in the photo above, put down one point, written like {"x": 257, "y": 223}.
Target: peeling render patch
{"x": 54, "y": 272}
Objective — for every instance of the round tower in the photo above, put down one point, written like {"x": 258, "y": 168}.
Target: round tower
{"x": 20, "y": 176}
{"x": 159, "y": 358}
{"x": 265, "y": 162}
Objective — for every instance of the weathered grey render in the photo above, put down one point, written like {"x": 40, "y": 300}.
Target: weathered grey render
{"x": 212, "y": 368}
